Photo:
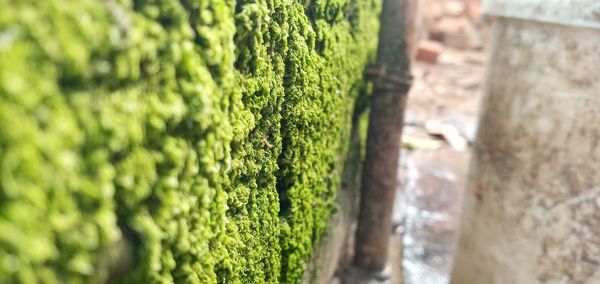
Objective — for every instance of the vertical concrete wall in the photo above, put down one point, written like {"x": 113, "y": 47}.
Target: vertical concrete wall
{"x": 532, "y": 210}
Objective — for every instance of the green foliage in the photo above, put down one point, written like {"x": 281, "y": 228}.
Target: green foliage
{"x": 205, "y": 137}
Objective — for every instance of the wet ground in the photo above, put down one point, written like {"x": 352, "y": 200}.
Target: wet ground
{"x": 445, "y": 94}
{"x": 435, "y": 180}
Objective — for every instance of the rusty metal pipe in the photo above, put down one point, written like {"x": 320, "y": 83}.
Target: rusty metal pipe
{"x": 392, "y": 81}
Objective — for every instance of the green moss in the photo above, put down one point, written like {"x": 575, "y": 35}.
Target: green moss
{"x": 205, "y": 136}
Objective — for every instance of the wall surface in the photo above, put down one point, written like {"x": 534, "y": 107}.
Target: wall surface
{"x": 532, "y": 209}
{"x": 333, "y": 252}
{"x": 576, "y": 13}
{"x": 174, "y": 141}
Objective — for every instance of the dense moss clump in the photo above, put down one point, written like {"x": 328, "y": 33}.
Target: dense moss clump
{"x": 160, "y": 141}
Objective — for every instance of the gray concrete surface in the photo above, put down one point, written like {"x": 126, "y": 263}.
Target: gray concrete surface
{"x": 532, "y": 209}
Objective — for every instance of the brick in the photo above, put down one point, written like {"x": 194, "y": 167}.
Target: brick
{"x": 428, "y": 51}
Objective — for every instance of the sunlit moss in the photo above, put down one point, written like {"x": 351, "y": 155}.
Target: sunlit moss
{"x": 207, "y": 136}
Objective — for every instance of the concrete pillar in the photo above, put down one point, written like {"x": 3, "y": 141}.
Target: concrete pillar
{"x": 532, "y": 208}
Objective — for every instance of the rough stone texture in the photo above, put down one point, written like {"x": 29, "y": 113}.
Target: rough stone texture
{"x": 583, "y": 13}
{"x": 532, "y": 210}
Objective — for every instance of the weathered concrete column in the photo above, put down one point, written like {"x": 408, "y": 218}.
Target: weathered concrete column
{"x": 532, "y": 209}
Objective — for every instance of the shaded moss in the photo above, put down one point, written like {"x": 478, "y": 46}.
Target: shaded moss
{"x": 204, "y": 139}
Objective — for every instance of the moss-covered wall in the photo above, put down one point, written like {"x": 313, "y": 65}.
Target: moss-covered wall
{"x": 159, "y": 141}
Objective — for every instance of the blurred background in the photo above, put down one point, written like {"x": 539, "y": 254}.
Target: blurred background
{"x": 449, "y": 41}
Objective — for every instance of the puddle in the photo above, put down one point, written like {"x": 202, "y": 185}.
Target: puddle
{"x": 432, "y": 183}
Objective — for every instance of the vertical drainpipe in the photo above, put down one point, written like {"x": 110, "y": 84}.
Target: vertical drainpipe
{"x": 392, "y": 81}
{"x": 532, "y": 207}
